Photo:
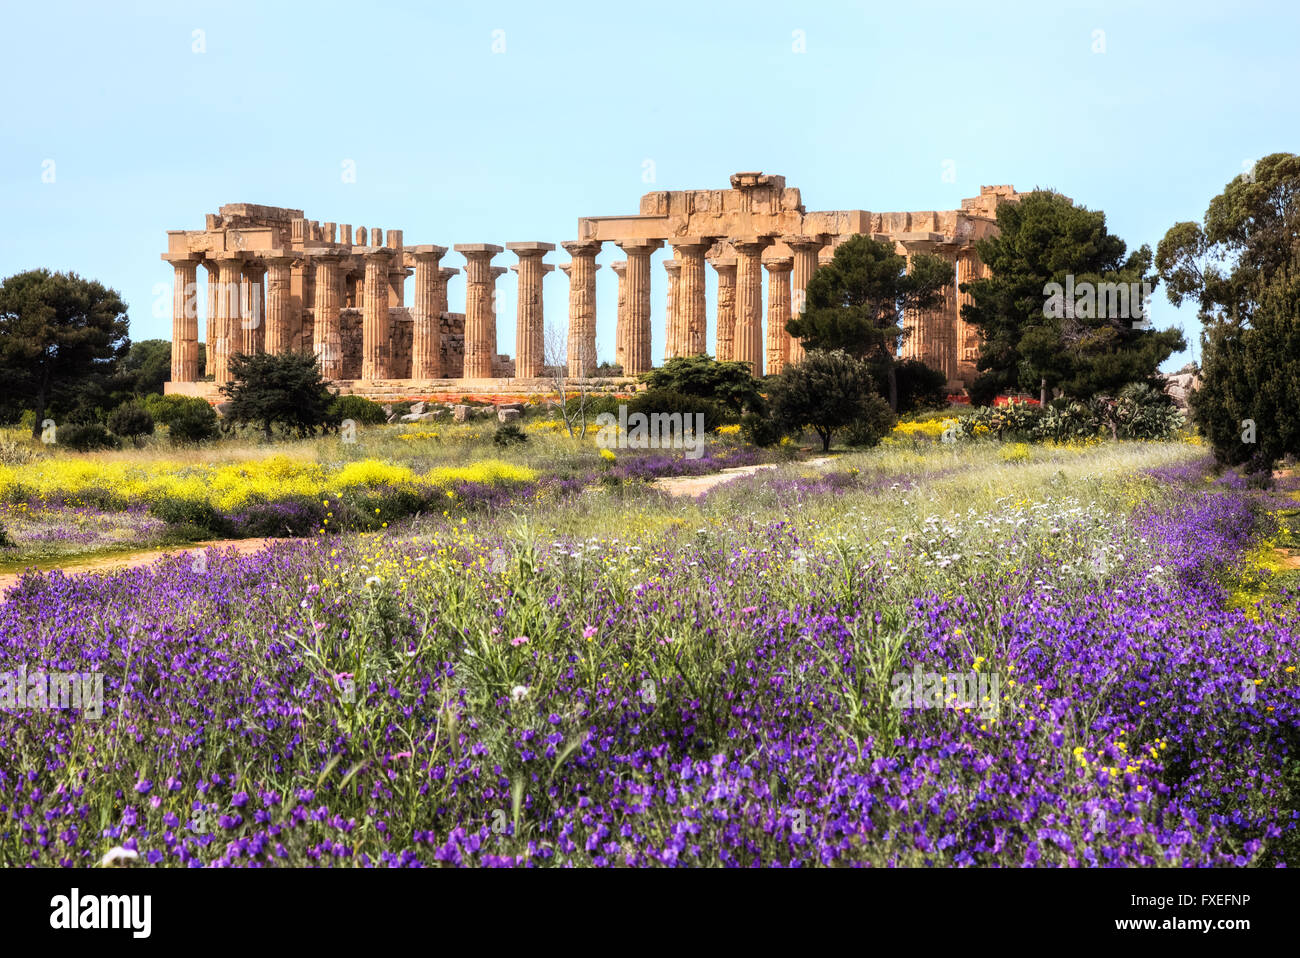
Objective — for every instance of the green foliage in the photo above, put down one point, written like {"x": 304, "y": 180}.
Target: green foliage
{"x": 284, "y": 389}
{"x": 130, "y": 420}
{"x": 509, "y": 434}
{"x": 86, "y": 437}
{"x": 730, "y": 384}
{"x": 60, "y": 336}
{"x": 919, "y": 386}
{"x": 1139, "y": 412}
{"x": 855, "y": 302}
{"x": 667, "y": 401}
{"x": 828, "y": 392}
{"x": 188, "y": 420}
{"x": 875, "y": 423}
{"x": 148, "y": 363}
{"x": 1242, "y": 267}
{"x": 1031, "y": 334}
{"x": 195, "y": 514}
{"x": 362, "y": 411}
{"x": 760, "y": 430}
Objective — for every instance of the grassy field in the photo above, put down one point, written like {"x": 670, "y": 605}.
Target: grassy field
{"x": 922, "y": 653}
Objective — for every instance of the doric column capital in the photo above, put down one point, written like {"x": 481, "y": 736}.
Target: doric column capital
{"x": 620, "y": 267}
{"x": 781, "y": 264}
{"x": 672, "y": 266}
{"x": 804, "y": 241}
{"x": 544, "y": 267}
{"x": 750, "y": 245}
{"x": 692, "y": 245}
{"x": 639, "y": 246}
{"x": 526, "y": 250}
{"x": 725, "y": 264}
{"x": 478, "y": 251}
{"x": 427, "y": 253}
{"x": 180, "y": 260}
{"x": 579, "y": 248}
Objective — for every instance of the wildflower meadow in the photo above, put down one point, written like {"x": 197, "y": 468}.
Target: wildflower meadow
{"x": 926, "y": 653}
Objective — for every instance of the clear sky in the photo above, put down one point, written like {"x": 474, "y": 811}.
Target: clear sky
{"x": 473, "y": 122}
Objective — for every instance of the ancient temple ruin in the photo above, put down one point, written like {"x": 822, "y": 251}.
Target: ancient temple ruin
{"x": 277, "y": 281}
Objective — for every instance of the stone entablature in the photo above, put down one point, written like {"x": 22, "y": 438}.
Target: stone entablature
{"x": 277, "y": 280}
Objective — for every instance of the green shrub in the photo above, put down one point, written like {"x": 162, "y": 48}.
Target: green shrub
{"x": 191, "y": 420}
{"x": 731, "y": 385}
{"x": 875, "y": 422}
{"x": 362, "y": 411}
{"x": 667, "y": 401}
{"x": 509, "y": 434}
{"x": 828, "y": 392}
{"x": 86, "y": 437}
{"x": 130, "y": 420}
{"x": 190, "y": 513}
{"x": 760, "y": 430}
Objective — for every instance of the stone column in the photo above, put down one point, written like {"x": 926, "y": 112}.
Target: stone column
{"x": 396, "y": 271}
{"x": 374, "y": 317}
{"x": 426, "y": 327}
{"x": 480, "y": 316}
{"x": 943, "y": 319}
{"x": 725, "y": 348}
{"x": 637, "y": 344}
{"x": 228, "y": 334}
{"x": 673, "y": 322}
{"x": 620, "y": 328}
{"x": 969, "y": 269}
{"x": 279, "y": 325}
{"x": 445, "y": 274}
{"x": 693, "y": 324}
{"x": 778, "y": 311}
{"x": 327, "y": 340}
{"x": 805, "y": 249}
{"x": 444, "y": 310}
{"x": 210, "y": 319}
{"x": 749, "y": 300}
{"x": 497, "y": 273}
{"x": 252, "y": 308}
{"x": 530, "y": 328}
{"x": 581, "y": 346}
{"x": 185, "y": 320}
{"x": 913, "y": 328}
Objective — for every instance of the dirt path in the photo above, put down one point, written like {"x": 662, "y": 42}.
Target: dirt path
{"x": 130, "y": 560}
{"x": 698, "y": 485}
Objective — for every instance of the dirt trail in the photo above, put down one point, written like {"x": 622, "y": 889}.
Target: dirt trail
{"x": 698, "y": 485}
{"x": 130, "y": 560}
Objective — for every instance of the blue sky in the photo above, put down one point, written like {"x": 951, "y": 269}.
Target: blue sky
{"x": 455, "y": 143}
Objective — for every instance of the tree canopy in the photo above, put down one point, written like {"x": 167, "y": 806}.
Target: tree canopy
{"x": 1241, "y": 266}
{"x": 855, "y": 302}
{"x": 1063, "y": 306}
{"x": 278, "y": 389}
{"x": 730, "y": 383}
{"x": 828, "y": 392}
{"x": 58, "y": 332}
